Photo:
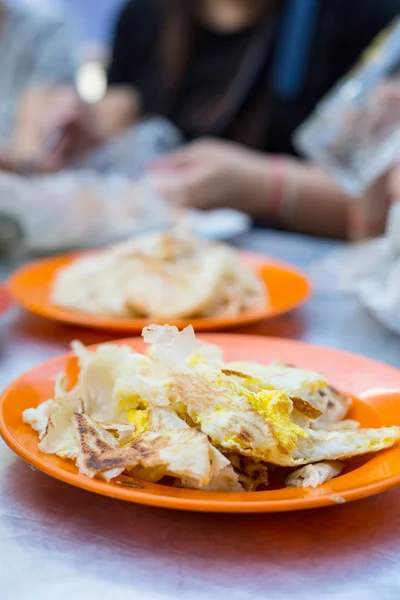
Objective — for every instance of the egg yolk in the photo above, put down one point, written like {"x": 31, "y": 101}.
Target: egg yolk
{"x": 275, "y": 406}
{"x": 195, "y": 359}
{"x": 139, "y": 419}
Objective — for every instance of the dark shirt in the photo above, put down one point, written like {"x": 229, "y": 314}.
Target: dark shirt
{"x": 256, "y": 115}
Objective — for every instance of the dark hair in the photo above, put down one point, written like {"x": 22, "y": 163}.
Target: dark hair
{"x": 177, "y": 41}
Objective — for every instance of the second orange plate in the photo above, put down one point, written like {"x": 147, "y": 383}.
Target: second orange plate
{"x": 4, "y": 299}
{"x": 31, "y": 287}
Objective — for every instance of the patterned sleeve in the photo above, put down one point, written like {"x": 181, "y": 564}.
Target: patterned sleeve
{"x": 54, "y": 59}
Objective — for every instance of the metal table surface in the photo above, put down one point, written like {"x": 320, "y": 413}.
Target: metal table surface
{"x": 60, "y": 542}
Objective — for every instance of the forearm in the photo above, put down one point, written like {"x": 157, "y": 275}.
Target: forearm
{"x": 320, "y": 207}
{"x": 301, "y": 197}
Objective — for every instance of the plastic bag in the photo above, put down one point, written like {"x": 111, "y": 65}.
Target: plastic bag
{"x": 76, "y": 210}
{"x": 370, "y": 270}
{"x": 131, "y": 152}
{"x": 343, "y": 269}
{"x": 102, "y": 198}
{"x": 354, "y": 132}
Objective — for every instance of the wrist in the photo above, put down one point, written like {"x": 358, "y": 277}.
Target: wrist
{"x": 277, "y": 189}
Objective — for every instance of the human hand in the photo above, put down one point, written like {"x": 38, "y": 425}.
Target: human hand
{"x": 75, "y": 128}
{"x": 211, "y": 174}
{"x": 392, "y": 229}
{"x": 8, "y": 161}
{"x": 70, "y": 130}
{"x": 393, "y": 184}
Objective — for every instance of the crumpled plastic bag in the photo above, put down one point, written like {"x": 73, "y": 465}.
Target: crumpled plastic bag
{"x": 343, "y": 269}
{"x": 103, "y": 197}
{"x": 131, "y": 152}
{"x": 71, "y": 210}
{"x": 370, "y": 270}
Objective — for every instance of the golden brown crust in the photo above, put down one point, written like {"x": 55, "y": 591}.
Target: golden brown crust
{"x": 232, "y": 373}
{"x": 99, "y": 451}
{"x": 251, "y": 473}
{"x": 306, "y": 408}
{"x": 245, "y": 435}
{"x": 97, "y": 446}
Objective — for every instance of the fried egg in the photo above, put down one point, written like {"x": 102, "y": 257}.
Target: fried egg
{"x": 227, "y": 416}
{"x": 210, "y": 425}
{"x": 339, "y": 445}
{"x": 295, "y": 382}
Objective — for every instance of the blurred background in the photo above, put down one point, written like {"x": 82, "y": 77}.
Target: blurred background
{"x": 124, "y": 116}
{"x": 93, "y": 22}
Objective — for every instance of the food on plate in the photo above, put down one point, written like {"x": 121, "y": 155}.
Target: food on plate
{"x": 179, "y": 411}
{"x": 172, "y": 275}
{"x": 252, "y": 474}
{"x": 314, "y": 474}
{"x": 307, "y": 385}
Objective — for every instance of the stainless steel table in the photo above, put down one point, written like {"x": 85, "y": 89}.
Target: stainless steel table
{"x": 57, "y": 542}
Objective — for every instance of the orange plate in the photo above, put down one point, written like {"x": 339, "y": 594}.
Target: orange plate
{"x": 4, "y": 299}
{"x": 31, "y": 284}
{"x": 367, "y": 476}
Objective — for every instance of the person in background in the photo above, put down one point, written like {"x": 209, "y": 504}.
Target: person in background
{"x": 36, "y": 51}
{"x": 237, "y": 77}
